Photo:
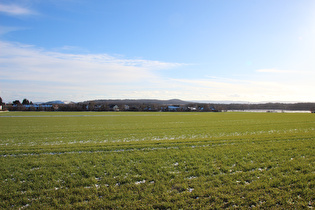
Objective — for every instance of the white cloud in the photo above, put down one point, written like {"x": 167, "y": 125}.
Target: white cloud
{"x": 274, "y": 70}
{"x": 41, "y": 75}
{"x": 301, "y": 76}
{"x": 12, "y": 9}
{"x": 8, "y": 29}
{"x": 31, "y": 70}
{"x": 31, "y": 64}
{"x": 253, "y": 90}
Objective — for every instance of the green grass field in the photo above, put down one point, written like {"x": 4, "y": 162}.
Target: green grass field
{"x": 157, "y": 160}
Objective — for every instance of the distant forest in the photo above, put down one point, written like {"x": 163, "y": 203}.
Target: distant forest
{"x": 150, "y": 105}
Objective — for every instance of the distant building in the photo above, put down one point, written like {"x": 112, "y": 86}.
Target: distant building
{"x": 116, "y": 108}
{"x": 173, "y": 108}
{"x": 192, "y": 108}
{"x": 34, "y": 107}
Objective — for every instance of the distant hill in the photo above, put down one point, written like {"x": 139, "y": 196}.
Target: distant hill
{"x": 140, "y": 101}
{"x": 58, "y": 102}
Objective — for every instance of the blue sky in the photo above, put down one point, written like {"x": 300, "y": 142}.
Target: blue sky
{"x": 208, "y": 50}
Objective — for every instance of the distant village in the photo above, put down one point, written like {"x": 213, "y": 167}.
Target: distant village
{"x": 150, "y": 105}
{"x": 110, "y": 105}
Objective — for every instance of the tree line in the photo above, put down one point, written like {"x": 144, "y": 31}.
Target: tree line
{"x": 150, "y": 105}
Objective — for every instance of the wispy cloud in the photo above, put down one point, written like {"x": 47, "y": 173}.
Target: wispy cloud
{"x": 28, "y": 67}
{"x": 298, "y": 88}
{"x": 14, "y": 9}
{"x": 29, "y": 63}
{"x": 8, "y": 29}
{"x": 278, "y": 71}
{"x": 38, "y": 74}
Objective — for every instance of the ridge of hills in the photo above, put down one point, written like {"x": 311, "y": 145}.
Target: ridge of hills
{"x": 225, "y": 105}
{"x": 141, "y": 101}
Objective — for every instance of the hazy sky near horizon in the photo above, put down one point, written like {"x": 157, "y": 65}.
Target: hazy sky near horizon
{"x": 210, "y": 50}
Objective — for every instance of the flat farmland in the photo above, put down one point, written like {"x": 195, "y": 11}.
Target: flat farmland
{"x": 158, "y": 160}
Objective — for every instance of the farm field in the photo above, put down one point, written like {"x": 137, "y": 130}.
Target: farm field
{"x": 158, "y": 160}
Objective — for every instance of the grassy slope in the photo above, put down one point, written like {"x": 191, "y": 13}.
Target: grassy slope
{"x": 157, "y": 160}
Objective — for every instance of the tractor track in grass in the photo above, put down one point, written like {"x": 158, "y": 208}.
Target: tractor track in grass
{"x": 131, "y": 148}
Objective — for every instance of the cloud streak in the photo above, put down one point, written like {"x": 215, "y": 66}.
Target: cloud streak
{"x": 277, "y": 71}
{"x": 29, "y": 63}
{"x": 15, "y": 10}
{"x": 27, "y": 67}
{"x": 6, "y": 29}
{"x": 41, "y": 75}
